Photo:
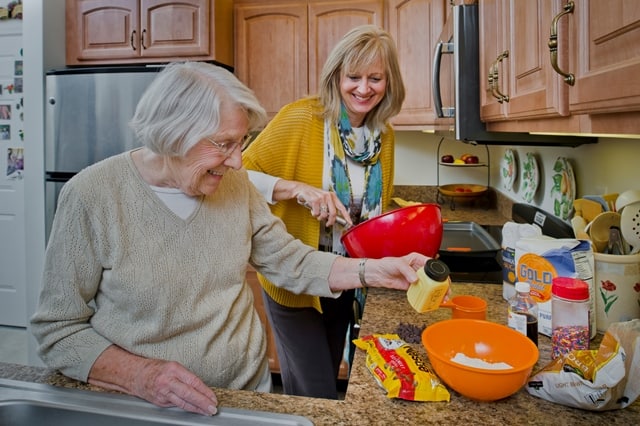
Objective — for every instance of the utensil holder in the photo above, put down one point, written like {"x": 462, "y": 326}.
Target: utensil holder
{"x": 617, "y": 284}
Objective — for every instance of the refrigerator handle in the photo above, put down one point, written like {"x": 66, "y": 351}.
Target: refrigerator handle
{"x": 58, "y": 176}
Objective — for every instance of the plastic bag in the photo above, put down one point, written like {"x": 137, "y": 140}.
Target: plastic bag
{"x": 401, "y": 370}
{"x": 596, "y": 380}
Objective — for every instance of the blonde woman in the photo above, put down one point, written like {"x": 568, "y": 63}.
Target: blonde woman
{"x": 333, "y": 154}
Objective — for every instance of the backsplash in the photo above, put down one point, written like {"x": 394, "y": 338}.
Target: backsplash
{"x": 611, "y": 165}
{"x": 491, "y": 208}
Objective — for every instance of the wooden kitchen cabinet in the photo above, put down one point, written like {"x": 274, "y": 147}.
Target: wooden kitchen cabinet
{"x": 605, "y": 52}
{"x": 147, "y": 31}
{"x": 286, "y": 64}
{"x": 598, "y": 43}
{"x": 515, "y": 71}
{"x": 280, "y": 48}
{"x": 271, "y": 51}
{"x": 415, "y": 25}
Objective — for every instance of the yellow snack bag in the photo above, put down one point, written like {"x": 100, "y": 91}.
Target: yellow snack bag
{"x": 400, "y": 370}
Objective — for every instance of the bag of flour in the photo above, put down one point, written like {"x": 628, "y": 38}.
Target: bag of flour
{"x": 511, "y": 233}
{"x": 539, "y": 259}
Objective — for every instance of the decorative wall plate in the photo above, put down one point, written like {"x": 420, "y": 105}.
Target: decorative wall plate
{"x": 563, "y": 190}
{"x": 529, "y": 177}
{"x": 508, "y": 169}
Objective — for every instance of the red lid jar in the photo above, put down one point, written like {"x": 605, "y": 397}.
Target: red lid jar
{"x": 570, "y": 288}
{"x": 570, "y": 315}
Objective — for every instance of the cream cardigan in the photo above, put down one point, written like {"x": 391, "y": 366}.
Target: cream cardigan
{"x": 164, "y": 287}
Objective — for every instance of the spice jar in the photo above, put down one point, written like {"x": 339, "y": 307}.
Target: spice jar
{"x": 427, "y": 292}
{"x": 570, "y": 315}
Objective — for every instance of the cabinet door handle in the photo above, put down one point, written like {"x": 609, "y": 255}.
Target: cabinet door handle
{"x": 133, "y": 36}
{"x": 501, "y": 96}
{"x": 492, "y": 82}
{"x": 144, "y": 33}
{"x": 569, "y": 78}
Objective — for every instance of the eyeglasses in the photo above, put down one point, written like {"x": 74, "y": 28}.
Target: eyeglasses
{"x": 228, "y": 148}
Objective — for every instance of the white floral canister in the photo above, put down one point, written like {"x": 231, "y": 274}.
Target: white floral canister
{"x": 617, "y": 283}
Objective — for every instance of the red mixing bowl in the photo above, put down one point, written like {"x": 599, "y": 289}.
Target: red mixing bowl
{"x": 397, "y": 233}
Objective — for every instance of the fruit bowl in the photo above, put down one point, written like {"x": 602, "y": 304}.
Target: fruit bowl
{"x": 481, "y": 340}
{"x": 416, "y": 228}
{"x": 462, "y": 190}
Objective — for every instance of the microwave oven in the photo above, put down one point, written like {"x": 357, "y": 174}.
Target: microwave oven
{"x": 456, "y": 88}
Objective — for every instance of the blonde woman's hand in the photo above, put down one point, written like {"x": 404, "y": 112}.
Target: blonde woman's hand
{"x": 324, "y": 205}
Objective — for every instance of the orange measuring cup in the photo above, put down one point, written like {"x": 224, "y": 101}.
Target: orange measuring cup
{"x": 466, "y": 306}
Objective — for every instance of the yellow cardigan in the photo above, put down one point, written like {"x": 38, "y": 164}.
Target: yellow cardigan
{"x": 291, "y": 147}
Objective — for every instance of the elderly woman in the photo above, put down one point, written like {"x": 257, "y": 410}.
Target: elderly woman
{"x": 144, "y": 286}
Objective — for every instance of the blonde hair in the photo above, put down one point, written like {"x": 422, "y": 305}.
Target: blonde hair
{"x": 360, "y": 48}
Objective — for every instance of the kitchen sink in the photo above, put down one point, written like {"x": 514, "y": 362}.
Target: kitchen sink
{"x": 25, "y": 403}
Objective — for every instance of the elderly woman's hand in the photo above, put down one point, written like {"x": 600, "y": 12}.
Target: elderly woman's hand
{"x": 390, "y": 272}
{"x": 168, "y": 383}
{"x": 393, "y": 272}
{"x": 163, "y": 383}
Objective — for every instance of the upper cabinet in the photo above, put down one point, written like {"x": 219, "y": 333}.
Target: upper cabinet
{"x": 515, "y": 69}
{"x": 560, "y": 66}
{"x": 605, "y": 51}
{"x": 415, "y": 25}
{"x": 271, "y": 45}
{"x": 286, "y": 64}
{"x": 280, "y": 48}
{"x": 147, "y": 31}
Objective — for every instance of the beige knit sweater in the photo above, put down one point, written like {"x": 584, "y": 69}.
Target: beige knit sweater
{"x": 122, "y": 269}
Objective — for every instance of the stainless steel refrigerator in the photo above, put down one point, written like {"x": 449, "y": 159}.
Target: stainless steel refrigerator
{"x": 87, "y": 115}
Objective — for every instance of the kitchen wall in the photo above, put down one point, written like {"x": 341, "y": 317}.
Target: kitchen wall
{"x": 611, "y": 165}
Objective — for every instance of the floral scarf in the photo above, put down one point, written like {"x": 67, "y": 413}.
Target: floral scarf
{"x": 341, "y": 143}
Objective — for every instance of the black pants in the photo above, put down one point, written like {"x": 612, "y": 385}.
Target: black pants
{"x": 310, "y": 344}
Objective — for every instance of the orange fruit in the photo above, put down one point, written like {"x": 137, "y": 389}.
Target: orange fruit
{"x": 464, "y": 156}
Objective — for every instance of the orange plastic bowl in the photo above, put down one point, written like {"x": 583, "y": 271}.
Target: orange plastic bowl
{"x": 396, "y": 233}
{"x": 485, "y": 340}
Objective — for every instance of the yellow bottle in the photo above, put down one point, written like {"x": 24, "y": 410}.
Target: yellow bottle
{"x": 433, "y": 282}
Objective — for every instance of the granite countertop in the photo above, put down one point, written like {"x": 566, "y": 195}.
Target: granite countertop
{"x": 366, "y": 403}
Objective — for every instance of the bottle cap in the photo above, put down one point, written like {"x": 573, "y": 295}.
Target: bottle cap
{"x": 523, "y": 287}
{"x": 570, "y": 288}
{"x": 436, "y": 270}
